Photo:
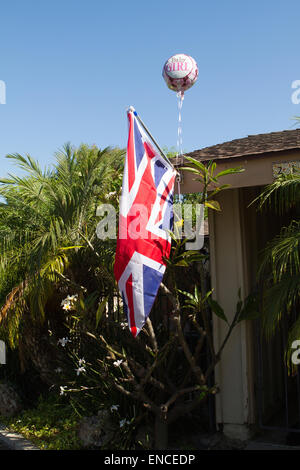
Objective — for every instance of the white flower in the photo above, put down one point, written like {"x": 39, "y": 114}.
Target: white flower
{"x": 58, "y": 370}
{"x": 79, "y": 370}
{"x": 63, "y": 341}
{"x": 114, "y": 408}
{"x": 124, "y": 325}
{"x": 67, "y": 306}
{"x": 123, "y": 422}
{"x": 110, "y": 195}
{"x": 62, "y": 390}
{"x": 81, "y": 362}
{"x": 118, "y": 363}
{"x": 69, "y": 301}
{"x": 70, "y": 298}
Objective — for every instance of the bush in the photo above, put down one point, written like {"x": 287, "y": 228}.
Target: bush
{"x": 51, "y": 425}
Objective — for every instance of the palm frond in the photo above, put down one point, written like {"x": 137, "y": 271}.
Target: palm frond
{"x": 282, "y": 195}
{"x": 279, "y": 299}
{"x": 42, "y": 219}
{"x": 282, "y": 254}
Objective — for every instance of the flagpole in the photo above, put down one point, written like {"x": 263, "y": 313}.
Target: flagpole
{"x": 131, "y": 108}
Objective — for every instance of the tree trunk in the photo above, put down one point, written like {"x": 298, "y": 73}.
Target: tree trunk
{"x": 161, "y": 433}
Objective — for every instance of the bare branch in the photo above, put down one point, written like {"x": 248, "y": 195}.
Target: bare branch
{"x": 176, "y": 319}
{"x": 184, "y": 409}
{"x": 190, "y": 358}
{"x": 152, "y": 335}
{"x": 178, "y": 394}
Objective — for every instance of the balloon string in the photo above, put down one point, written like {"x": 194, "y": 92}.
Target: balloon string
{"x": 180, "y": 98}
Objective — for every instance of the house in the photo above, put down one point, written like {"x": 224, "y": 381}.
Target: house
{"x": 253, "y": 383}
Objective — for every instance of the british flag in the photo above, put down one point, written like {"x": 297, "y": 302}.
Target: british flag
{"x": 145, "y": 218}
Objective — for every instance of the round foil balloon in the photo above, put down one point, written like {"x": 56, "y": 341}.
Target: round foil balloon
{"x": 180, "y": 72}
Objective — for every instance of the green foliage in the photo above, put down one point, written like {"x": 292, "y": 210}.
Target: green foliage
{"x": 248, "y": 309}
{"x": 217, "y": 309}
{"x": 51, "y": 425}
{"x": 205, "y": 174}
{"x": 48, "y": 223}
{"x": 280, "y": 261}
{"x": 282, "y": 195}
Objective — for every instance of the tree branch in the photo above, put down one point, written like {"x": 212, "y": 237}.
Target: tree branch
{"x": 178, "y": 394}
{"x": 176, "y": 319}
{"x": 152, "y": 335}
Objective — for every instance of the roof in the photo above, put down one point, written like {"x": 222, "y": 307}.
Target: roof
{"x": 251, "y": 145}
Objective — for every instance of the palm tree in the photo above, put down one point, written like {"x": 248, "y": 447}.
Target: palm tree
{"x": 47, "y": 227}
{"x": 280, "y": 263}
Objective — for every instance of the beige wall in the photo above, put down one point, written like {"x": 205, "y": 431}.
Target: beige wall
{"x": 258, "y": 170}
{"x": 229, "y": 274}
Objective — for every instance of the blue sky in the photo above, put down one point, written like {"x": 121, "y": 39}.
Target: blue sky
{"x": 71, "y": 68}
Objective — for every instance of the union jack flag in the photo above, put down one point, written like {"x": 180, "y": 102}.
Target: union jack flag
{"x": 145, "y": 217}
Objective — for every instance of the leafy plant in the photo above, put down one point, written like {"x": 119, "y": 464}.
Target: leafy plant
{"x": 48, "y": 221}
{"x": 51, "y": 425}
{"x": 279, "y": 266}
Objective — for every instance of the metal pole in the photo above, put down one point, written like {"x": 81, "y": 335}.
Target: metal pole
{"x": 131, "y": 108}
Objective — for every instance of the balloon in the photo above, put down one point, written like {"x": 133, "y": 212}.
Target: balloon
{"x": 180, "y": 72}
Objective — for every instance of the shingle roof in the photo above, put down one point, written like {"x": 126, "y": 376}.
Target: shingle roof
{"x": 251, "y": 145}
